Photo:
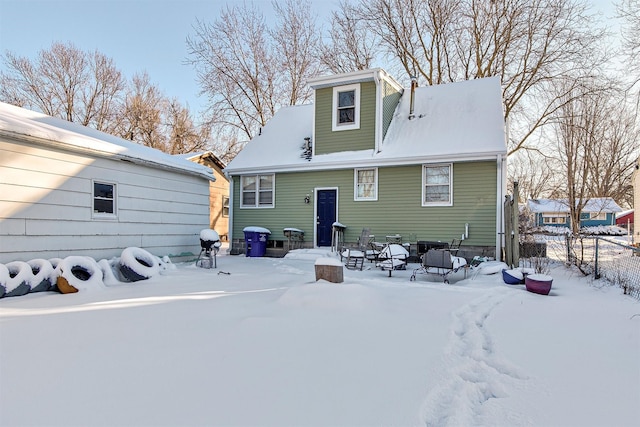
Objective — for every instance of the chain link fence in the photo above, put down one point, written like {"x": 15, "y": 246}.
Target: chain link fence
{"x": 605, "y": 259}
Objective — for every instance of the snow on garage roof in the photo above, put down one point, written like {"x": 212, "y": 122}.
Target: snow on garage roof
{"x": 16, "y": 122}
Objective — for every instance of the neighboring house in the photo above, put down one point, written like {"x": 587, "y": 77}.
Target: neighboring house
{"x": 599, "y": 211}
{"x": 70, "y": 190}
{"x": 426, "y": 163}
{"x": 625, "y": 219}
{"x": 636, "y": 202}
{"x": 218, "y": 192}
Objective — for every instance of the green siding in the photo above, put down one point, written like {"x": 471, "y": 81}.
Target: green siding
{"x": 390, "y": 100}
{"x": 328, "y": 141}
{"x": 397, "y": 210}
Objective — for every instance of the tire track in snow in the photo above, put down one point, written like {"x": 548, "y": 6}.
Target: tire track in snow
{"x": 475, "y": 374}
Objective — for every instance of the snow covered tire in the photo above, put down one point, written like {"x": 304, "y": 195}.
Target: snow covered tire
{"x": 77, "y": 273}
{"x": 43, "y": 275}
{"x": 138, "y": 264}
{"x": 20, "y": 276}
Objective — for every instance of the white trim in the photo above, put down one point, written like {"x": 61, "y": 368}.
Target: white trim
{"x": 377, "y": 128}
{"x": 318, "y": 163}
{"x": 257, "y": 205}
{"x": 315, "y": 210}
{"x": 104, "y": 215}
{"x": 424, "y": 184}
{"x": 335, "y": 126}
{"x": 352, "y": 77}
{"x": 355, "y": 185}
{"x": 501, "y": 191}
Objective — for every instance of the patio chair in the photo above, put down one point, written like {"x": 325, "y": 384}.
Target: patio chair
{"x": 355, "y": 254}
{"x": 454, "y": 246}
{"x": 440, "y": 262}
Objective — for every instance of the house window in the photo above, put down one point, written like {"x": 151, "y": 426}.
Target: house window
{"x": 366, "y": 184}
{"x": 437, "y": 185}
{"x": 225, "y": 206}
{"x": 346, "y": 107}
{"x": 257, "y": 191}
{"x": 554, "y": 220}
{"x": 104, "y": 199}
{"x": 598, "y": 216}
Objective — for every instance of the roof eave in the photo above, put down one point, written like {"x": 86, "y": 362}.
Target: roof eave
{"x": 361, "y": 163}
{"x": 103, "y": 154}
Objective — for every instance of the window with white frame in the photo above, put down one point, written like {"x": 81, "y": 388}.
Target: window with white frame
{"x": 437, "y": 187}
{"x": 346, "y": 107}
{"x": 104, "y": 199}
{"x": 225, "y": 206}
{"x": 598, "y": 216}
{"x": 366, "y": 184}
{"x": 257, "y": 191}
{"x": 554, "y": 219}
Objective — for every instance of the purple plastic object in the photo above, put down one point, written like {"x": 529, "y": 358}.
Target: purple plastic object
{"x": 538, "y": 283}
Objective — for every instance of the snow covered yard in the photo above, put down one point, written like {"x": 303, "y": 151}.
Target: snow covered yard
{"x": 267, "y": 345}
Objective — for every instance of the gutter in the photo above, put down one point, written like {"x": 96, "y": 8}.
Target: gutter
{"x": 205, "y": 173}
{"x": 370, "y": 162}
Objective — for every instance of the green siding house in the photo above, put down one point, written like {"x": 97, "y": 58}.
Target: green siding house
{"x": 425, "y": 163}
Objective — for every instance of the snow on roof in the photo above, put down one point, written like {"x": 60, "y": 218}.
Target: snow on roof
{"x": 623, "y": 213}
{"x": 461, "y": 120}
{"x": 596, "y": 204}
{"x": 455, "y": 119}
{"x": 16, "y": 121}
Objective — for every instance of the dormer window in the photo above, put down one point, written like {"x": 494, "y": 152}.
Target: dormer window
{"x": 346, "y": 107}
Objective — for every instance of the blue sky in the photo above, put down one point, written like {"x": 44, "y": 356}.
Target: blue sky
{"x": 139, "y": 35}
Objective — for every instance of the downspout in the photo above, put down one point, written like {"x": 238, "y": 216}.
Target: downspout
{"x": 377, "y": 129}
{"x": 230, "y": 212}
{"x": 501, "y": 191}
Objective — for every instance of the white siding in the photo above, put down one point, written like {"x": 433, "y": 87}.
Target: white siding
{"x": 46, "y": 199}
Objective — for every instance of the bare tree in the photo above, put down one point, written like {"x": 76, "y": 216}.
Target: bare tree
{"x": 533, "y": 172}
{"x": 528, "y": 43}
{"x": 351, "y": 47}
{"x": 596, "y": 145}
{"x": 184, "y": 135}
{"x": 141, "y": 118}
{"x": 296, "y": 43}
{"x": 248, "y": 70}
{"x": 613, "y": 157}
{"x": 629, "y": 11}
{"x": 65, "y": 82}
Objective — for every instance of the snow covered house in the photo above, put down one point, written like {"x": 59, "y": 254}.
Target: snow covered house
{"x": 70, "y": 190}
{"x": 425, "y": 163}
{"x": 598, "y": 211}
{"x": 218, "y": 192}
{"x": 624, "y": 219}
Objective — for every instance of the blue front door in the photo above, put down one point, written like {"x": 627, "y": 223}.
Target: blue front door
{"x": 326, "y": 215}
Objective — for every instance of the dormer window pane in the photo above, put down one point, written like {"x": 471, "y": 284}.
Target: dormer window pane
{"x": 347, "y": 107}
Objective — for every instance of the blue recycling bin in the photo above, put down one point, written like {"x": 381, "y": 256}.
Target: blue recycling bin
{"x": 255, "y": 240}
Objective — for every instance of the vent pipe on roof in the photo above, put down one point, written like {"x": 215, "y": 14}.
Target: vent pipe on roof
{"x": 414, "y": 85}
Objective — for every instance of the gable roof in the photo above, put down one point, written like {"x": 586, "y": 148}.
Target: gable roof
{"x": 207, "y": 156}
{"x": 453, "y": 122}
{"x": 596, "y": 204}
{"x": 38, "y": 128}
